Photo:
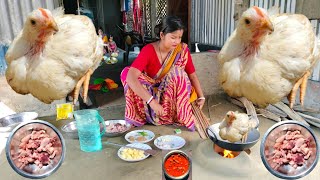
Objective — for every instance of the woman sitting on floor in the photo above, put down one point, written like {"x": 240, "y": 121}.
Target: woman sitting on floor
{"x": 161, "y": 82}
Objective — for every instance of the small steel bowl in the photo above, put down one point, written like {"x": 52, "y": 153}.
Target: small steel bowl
{"x": 123, "y": 122}
{"x": 287, "y": 171}
{"x": 172, "y": 153}
{"x": 9, "y": 122}
{"x": 33, "y": 171}
{"x": 71, "y": 131}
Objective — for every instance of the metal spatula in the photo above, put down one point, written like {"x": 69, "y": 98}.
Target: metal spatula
{"x": 146, "y": 151}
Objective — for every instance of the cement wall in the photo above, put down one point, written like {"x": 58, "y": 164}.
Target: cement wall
{"x": 207, "y": 69}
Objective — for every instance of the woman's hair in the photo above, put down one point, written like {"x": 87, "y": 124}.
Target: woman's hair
{"x": 99, "y": 28}
{"x": 168, "y": 24}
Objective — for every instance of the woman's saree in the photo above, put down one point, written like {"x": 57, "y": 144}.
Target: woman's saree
{"x": 171, "y": 87}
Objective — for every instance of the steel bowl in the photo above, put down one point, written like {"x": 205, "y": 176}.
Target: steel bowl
{"x": 33, "y": 171}
{"x": 111, "y": 134}
{"x": 213, "y": 133}
{"x": 172, "y": 153}
{"x": 71, "y": 131}
{"x": 9, "y": 122}
{"x": 287, "y": 171}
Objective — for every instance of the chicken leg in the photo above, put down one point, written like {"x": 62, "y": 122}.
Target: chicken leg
{"x": 84, "y": 82}
{"x": 251, "y": 111}
{"x": 302, "y": 83}
{"x": 244, "y": 138}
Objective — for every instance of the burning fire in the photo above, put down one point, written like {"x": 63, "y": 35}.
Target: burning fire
{"x": 227, "y": 154}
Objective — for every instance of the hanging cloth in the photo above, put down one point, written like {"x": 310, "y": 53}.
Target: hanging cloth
{"x": 124, "y": 5}
{"x": 137, "y": 16}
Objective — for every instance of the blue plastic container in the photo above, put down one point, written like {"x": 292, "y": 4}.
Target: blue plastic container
{"x": 3, "y": 64}
{"x": 88, "y": 124}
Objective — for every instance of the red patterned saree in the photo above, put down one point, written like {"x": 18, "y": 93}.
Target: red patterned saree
{"x": 171, "y": 87}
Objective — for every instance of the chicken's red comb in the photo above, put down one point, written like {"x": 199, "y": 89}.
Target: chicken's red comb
{"x": 258, "y": 10}
{"x": 44, "y": 13}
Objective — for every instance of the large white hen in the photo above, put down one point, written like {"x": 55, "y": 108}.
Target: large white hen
{"x": 268, "y": 58}
{"x": 53, "y": 55}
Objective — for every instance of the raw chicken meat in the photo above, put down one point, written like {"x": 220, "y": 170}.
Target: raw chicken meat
{"x": 291, "y": 148}
{"x": 36, "y": 148}
{"x": 116, "y": 127}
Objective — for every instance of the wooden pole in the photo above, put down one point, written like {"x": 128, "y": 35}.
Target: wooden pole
{"x": 78, "y": 4}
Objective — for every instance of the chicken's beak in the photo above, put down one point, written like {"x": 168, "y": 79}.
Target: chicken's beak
{"x": 231, "y": 119}
{"x": 52, "y": 25}
{"x": 267, "y": 24}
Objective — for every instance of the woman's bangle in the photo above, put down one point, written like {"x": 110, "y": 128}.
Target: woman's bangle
{"x": 202, "y": 98}
{"x": 151, "y": 98}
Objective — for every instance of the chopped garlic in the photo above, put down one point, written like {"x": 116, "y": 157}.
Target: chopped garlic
{"x": 132, "y": 154}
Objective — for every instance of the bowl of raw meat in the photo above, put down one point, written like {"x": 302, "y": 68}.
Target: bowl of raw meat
{"x": 35, "y": 149}
{"x": 113, "y": 128}
{"x": 116, "y": 127}
{"x": 289, "y": 150}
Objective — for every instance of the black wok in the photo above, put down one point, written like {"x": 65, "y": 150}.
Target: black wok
{"x": 213, "y": 132}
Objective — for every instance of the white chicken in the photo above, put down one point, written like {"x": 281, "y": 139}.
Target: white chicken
{"x": 268, "y": 58}
{"x": 53, "y": 55}
{"x": 235, "y": 126}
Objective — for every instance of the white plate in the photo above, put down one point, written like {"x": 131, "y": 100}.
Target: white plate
{"x": 137, "y": 145}
{"x": 137, "y": 133}
{"x": 169, "y": 142}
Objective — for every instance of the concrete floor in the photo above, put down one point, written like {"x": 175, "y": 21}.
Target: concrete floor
{"x": 206, "y": 164}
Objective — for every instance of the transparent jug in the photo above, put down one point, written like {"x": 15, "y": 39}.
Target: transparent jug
{"x": 88, "y": 124}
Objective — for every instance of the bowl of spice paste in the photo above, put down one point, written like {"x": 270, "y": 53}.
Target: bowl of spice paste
{"x": 176, "y": 165}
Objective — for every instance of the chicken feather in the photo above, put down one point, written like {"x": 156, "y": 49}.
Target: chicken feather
{"x": 48, "y": 64}
{"x": 265, "y": 56}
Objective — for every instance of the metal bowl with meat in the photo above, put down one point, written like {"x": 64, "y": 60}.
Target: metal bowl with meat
{"x": 116, "y": 127}
{"x": 113, "y": 128}
{"x": 35, "y": 149}
{"x": 289, "y": 150}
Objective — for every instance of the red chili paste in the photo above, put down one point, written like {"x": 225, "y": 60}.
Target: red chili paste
{"x": 176, "y": 165}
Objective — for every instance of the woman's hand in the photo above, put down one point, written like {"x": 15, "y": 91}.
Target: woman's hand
{"x": 136, "y": 86}
{"x": 200, "y": 102}
{"x": 196, "y": 84}
{"x": 158, "y": 109}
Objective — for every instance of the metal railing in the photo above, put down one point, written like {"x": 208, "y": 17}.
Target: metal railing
{"x": 212, "y": 21}
{"x": 13, "y": 13}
